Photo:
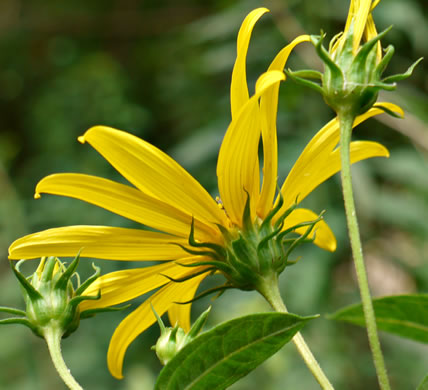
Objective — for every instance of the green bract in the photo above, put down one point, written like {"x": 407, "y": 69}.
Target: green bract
{"x": 255, "y": 254}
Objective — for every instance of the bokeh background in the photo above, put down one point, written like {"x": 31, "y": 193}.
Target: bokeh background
{"x": 161, "y": 70}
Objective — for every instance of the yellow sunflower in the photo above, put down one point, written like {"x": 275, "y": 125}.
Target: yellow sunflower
{"x": 195, "y": 234}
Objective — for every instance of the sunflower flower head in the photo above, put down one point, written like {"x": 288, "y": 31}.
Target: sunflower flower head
{"x": 50, "y": 298}
{"x": 247, "y": 234}
{"x": 353, "y": 64}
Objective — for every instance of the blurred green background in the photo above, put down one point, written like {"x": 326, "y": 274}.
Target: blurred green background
{"x": 161, "y": 70}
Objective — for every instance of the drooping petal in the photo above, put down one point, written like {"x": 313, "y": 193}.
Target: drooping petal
{"x": 140, "y": 319}
{"x": 237, "y": 167}
{"x": 121, "y": 286}
{"x": 180, "y": 313}
{"x": 239, "y": 95}
{"x": 125, "y": 201}
{"x": 316, "y": 156}
{"x": 101, "y": 242}
{"x": 324, "y": 237}
{"x": 268, "y": 112}
{"x": 154, "y": 172}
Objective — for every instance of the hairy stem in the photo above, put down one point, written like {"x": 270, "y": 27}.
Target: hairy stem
{"x": 53, "y": 340}
{"x": 269, "y": 289}
{"x": 346, "y": 120}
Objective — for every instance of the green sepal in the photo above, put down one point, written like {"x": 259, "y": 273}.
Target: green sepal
{"x": 360, "y": 60}
{"x": 20, "y": 321}
{"x": 402, "y": 76}
{"x": 336, "y": 73}
{"x": 48, "y": 264}
{"x": 388, "y": 111}
{"x": 247, "y": 223}
{"x": 33, "y": 294}
{"x": 63, "y": 280}
{"x": 306, "y": 74}
{"x": 217, "y": 264}
{"x": 89, "y": 281}
{"x": 299, "y": 79}
{"x": 91, "y": 312}
{"x": 192, "y": 242}
{"x": 78, "y": 299}
{"x": 11, "y": 310}
{"x": 188, "y": 277}
{"x": 380, "y": 68}
{"x": 267, "y": 221}
{"x": 221, "y": 288}
{"x": 199, "y": 324}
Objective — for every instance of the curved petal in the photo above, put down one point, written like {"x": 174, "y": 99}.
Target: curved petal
{"x": 321, "y": 170}
{"x": 140, "y": 319}
{"x": 238, "y": 89}
{"x": 316, "y": 155}
{"x": 180, "y": 313}
{"x": 125, "y": 201}
{"x": 268, "y": 112}
{"x": 324, "y": 237}
{"x": 101, "y": 242}
{"x": 154, "y": 172}
{"x": 237, "y": 166}
{"x": 121, "y": 286}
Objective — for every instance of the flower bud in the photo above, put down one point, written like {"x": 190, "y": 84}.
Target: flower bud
{"x": 173, "y": 339}
{"x": 51, "y": 300}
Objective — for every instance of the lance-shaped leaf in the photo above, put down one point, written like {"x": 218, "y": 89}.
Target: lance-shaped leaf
{"x": 217, "y": 358}
{"x": 403, "y": 315}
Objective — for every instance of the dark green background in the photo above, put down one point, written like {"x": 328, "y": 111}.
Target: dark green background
{"x": 161, "y": 70}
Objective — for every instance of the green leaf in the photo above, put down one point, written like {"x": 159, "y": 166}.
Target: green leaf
{"x": 403, "y": 315}
{"x": 217, "y": 358}
{"x": 424, "y": 384}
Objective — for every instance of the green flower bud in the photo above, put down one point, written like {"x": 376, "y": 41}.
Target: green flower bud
{"x": 52, "y": 303}
{"x": 351, "y": 80}
{"x": 173, "y": 339}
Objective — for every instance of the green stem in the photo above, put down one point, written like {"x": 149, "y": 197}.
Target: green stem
{"x": 269, "y": 289}
{"x": 53, "y": 340}
{"x": 346, "y": 120}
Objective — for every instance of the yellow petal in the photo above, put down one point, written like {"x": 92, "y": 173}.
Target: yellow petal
{"x": 358, "y": 13}
{"x": 154, "y": 172}
{"x": 121, "y": 286}
{"x": 302, "y": 178}
{"x": 239, "y": 89}
{"x": 324, "y": 237}
{"x": 180, "y": 313}
{"x": 125, "y": 201}
{"x": 237, "y": 167}
{"x": 268, "y": 112}
{"x": 101, "y": 242}
{"x": 140, "y": 319}
{"x": 371, "y": 32}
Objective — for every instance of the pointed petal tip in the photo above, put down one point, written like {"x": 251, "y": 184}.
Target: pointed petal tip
{"x": 37, "y": 195}
{"x": 81, "y": 139}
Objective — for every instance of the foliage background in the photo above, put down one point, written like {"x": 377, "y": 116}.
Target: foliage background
{"x": 161, "y": 70}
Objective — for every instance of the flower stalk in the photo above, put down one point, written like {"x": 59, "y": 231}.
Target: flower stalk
{"x": 53, "y": 337}
{"x": 270, "y": 291}
{"x": 346, "y": 119}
